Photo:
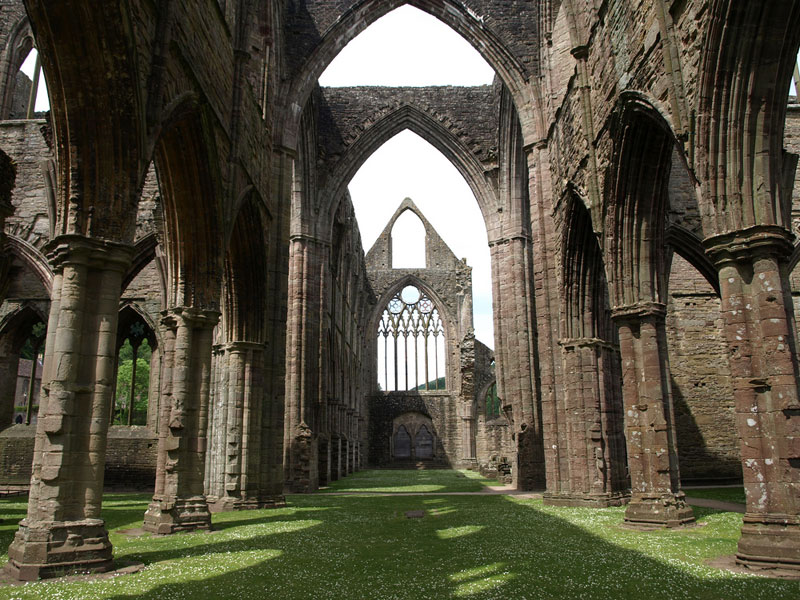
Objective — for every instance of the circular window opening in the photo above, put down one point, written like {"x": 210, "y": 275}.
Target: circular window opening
{"x": 410, "y": 294}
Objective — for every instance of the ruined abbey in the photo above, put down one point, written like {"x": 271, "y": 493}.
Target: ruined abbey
{"x": 184, "y": 203}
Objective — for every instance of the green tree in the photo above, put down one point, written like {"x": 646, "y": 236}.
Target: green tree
{"x": 142, "y": 387}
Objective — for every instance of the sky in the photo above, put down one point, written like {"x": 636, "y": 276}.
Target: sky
{"x": 408, "y": 47}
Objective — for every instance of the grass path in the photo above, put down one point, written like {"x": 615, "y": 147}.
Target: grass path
{"x": 353, "y": 547}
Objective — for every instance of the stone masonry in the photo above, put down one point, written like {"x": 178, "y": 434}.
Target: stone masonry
{"x": 634, "y": 162}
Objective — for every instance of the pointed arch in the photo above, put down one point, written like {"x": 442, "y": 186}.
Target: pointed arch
{"x": 586, "y": 311}
{"x": 690, "y": 247}
{"x": 191, "y": 188}
{"x": 33, "y": 259}
{"x": 245, "y": 294}
{"x": 750, "y": 52}
{"x": 636, "y": 202}
{"x": 20, "y": 43}
{"x": 432, "y": 131}
{"x": 452, "y": 13}
{"x": 87, "y": 54}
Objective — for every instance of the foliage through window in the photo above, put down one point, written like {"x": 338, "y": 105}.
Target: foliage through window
{"x": 133, "y": 378}
{"x": 492, "y": 402}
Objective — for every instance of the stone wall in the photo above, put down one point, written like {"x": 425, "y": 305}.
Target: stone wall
{"x": 708, "y": 445}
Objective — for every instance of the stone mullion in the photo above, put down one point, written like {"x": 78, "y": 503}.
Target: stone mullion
{"x": 69, "y": 454}
{"x": 656, "y": 499}
{"x": 180, "y": 503}
{"x": 759, "y": 328}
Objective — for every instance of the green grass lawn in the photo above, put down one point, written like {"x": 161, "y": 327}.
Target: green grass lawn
{"x": 396, "y": 481}
{"x": 725, "y": 494}
{"x": 353, "y": 547}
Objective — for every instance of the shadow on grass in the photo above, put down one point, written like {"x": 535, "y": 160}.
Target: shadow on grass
{"x": 463, "y": 547}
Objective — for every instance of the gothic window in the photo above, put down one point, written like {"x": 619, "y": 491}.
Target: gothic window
{"x": 492, "y": 403}
{"x": 408, "y": 242}
{"x": 423, "y": 443}
{"x": 402, "y": 443}
{"x": 411, "y": 343}
{"x": 29, "y": 375}
{"x": 133, "y": 376}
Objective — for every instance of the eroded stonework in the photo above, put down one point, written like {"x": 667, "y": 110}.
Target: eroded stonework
{"x": 635, "y": 165}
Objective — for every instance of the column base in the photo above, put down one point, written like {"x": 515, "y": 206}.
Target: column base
{"x": 603, "y": 500}
{"x": 770, "y": 543}
{"x": 229, "y": 503}
{"x": 180, "y": 514}
{"x": 55, "y": 548}
{"x": 663, "y": 510}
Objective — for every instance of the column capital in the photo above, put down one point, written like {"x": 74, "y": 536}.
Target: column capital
{"x": 586, "y": 342}
{"x": 197, "y": 317}
{"x": 94, "y": 252}
{"x": 748, "y": 244}
{"x": 239, "y": 346}
{"x": 639, "y": 311}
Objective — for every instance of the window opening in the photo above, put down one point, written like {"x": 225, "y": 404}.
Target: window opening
{"x": 38, "y": 100}
{"x": 409, "y": 343}
{"x": 32, "y": 353}
{"x": 492, "y": 403}
{"x": 408, "y": 242}
{"x": 133, "y": 378}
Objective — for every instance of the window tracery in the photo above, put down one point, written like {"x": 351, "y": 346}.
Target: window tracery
{"x": 411, "y": 343}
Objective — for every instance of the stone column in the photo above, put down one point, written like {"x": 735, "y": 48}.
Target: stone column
{"x": 591, "y": 416}
{"x": 8, "y": 175}
{"x": 656, "y": 499}
{"x": 63, "y": 530}
{"x": 303, "y": 365}
{"x": 179, "y": 503}
{"x": 759, "y": 327}
{"x": 336, "y": 456}
{"x": 515, "y": 341}
{"x": 233, "y": 468}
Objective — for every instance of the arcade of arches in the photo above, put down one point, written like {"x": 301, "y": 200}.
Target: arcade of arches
{"x": 187, "y": 301}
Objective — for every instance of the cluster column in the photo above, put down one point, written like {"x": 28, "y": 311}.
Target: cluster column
{"x": 656, "y": 499}
{"x": 762, "y": 342}
{"x": 515, "y": 340}
{"x": 593, "y": 473}
{"x": 63, "y": 530}
{"x": 239, "y": 431}
{"x": 179, "y": 502}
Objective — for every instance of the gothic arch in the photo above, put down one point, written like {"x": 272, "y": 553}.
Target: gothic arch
{"x": 415, "y": 120}
{"x": 130, "y": 312}
{"x": 448, "y": 318}
{"x": 20, "y": 43}
{"x": 144, "y": 252}
{"x": 33, "y": 259}
{"x": 245, "y": 291}
{"x": 452, "y": 13}
{"x": 97, "y": 117}
{"x": 184, "y": 158}
{"x": 636, "y": 201}
{"x": 690, "y": 247}
{"x": 586, "y": 294}
{"x": 750, "y": 51}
